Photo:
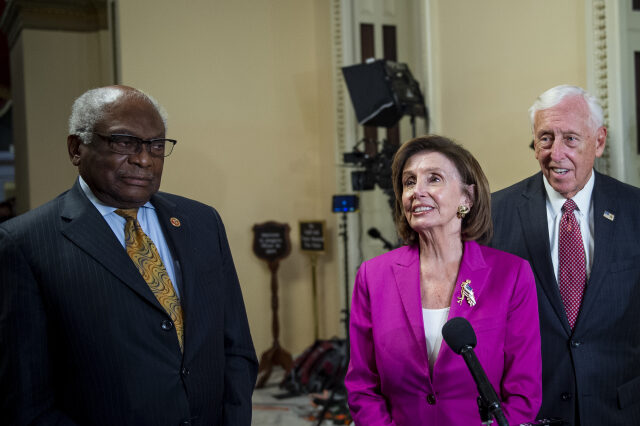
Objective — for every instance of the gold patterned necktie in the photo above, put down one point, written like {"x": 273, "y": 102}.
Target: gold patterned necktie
{"x": 145, "y": 256}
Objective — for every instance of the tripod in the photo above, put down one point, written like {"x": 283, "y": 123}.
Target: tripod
{"x": 342, "y": 370}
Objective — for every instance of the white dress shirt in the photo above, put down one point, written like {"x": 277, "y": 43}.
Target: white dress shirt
{"x": 583, "y": 214}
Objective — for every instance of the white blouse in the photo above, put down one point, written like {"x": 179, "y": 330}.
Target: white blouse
{"x": 433, "y": 320}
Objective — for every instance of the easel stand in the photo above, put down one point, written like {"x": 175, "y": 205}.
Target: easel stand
{"x": 313, "y": 258}
{"x": 276, "y": 355}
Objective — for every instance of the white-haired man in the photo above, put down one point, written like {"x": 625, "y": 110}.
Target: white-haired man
{"x": 119, "y": 304}
{"x": 579, "y": 230}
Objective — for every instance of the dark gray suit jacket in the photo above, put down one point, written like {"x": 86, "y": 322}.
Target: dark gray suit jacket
{"x": 596, "y": 368}
{"x": 83, "y": 340}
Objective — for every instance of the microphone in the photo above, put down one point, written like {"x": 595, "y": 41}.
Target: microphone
{"x": 461, "y": 338}
{"x": 374, "y": 233}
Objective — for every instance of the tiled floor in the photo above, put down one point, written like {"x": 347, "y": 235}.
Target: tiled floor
{"x": 268, "y": 410}
{"x": 292, "y": 411}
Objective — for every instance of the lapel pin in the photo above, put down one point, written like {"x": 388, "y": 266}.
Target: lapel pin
{"x": 466, "y": 292}
{"x": 175, "y": 222}
{"x": 608, "y": 215}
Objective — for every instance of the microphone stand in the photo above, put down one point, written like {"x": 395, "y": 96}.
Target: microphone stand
{"x": 487, "y": 413}
{"x": 376, "y": 235}
{"x": 345, "y": 311}
{"x": 344, "y": 364}
{"x": 488, "y": 403}
{"x": 461, "y": 338}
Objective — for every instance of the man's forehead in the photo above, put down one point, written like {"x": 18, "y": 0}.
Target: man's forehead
{"x": 562, "y": 117}
{"x": 561, "y": 129}
{"x": 127, "y": 106}
{"x": 127, "y": 114}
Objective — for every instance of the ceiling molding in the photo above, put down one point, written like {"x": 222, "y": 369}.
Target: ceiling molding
{"x": 57, "y": 15}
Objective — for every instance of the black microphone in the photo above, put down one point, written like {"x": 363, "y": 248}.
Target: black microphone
{"x": 461, "y": 338}
{"x": 374, "y": 233}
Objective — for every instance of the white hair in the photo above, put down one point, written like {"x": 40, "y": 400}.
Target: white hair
{"x": 89, "y": 108}
{"x": 555, "y": 95}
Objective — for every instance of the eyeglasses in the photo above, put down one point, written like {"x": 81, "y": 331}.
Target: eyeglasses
{"x": 130, "y": 145}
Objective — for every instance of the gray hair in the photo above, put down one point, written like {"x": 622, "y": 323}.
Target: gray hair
{"x": 555, "y": 95}
{"x": 89, "y": 108}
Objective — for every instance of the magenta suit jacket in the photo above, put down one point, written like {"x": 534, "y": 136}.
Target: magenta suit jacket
{"x": 388, "y": 379}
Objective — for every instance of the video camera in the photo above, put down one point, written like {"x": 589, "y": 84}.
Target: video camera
{"x": 377, "y": 168}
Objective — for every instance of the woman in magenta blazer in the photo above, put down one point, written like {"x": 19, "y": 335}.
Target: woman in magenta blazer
{"x": 401, "y": 373}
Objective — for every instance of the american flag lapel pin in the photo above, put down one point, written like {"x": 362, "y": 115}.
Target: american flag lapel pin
{"x": 608, "y": 215}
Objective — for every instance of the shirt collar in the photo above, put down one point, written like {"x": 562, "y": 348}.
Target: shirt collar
{"x": 102, "y": 208}
{"x": 582, "y": 198}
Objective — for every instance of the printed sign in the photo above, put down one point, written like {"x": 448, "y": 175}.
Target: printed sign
{"x": 271, "y": 241}
{"x": 312, "y": 236}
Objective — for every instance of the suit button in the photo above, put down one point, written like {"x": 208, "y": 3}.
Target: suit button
{"x": 166, "y": 325}
{"x": 185, "y": 371}
{"x": 575, "y": 343}
{"x": 186, "y": 423}
{"x": 566, "y": 396}
{"x": 431, "y": 399}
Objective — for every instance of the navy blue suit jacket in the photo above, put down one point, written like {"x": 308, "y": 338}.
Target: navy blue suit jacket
{"x": 596, "y": 368}
{"x": 83, "y": 340}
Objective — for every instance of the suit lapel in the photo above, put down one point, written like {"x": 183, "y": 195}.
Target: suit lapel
{"x": 406, "y": 270}
{"x": 86, "y": 228}
{"x": 604, "y": 237}
{"x": 176, "y": 227}
{"x": 473, "y": 269}
{"x": 533, "y": 217}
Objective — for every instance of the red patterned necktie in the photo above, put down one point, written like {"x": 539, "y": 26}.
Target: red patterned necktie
{"x": 145, "y": 256}
{"x": 572, "y": 272}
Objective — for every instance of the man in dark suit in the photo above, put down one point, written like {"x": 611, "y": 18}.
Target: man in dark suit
{"x": 87, "y": 336}
{"x": 586, "y": 260}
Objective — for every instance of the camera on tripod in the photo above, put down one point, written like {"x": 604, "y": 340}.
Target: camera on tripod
{"x": 376, "y": 169}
